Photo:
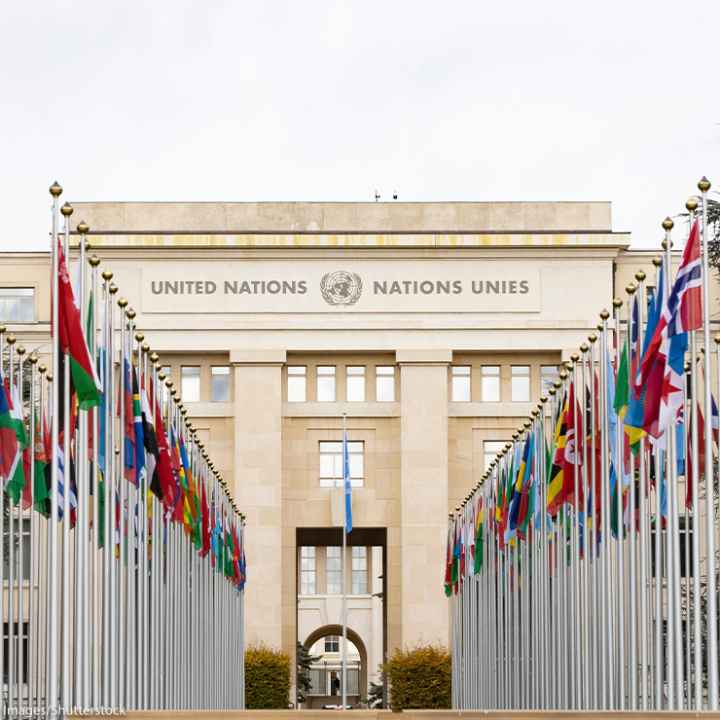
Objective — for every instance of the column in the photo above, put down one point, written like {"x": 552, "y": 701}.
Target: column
{"x": 258, "y": 481}
{"x": 424, "y": 494}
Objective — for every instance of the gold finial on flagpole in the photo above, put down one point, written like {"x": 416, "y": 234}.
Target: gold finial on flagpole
{"x": 154, "y": 357}
{"x": 11, "y": 339}
{"x": 584, "y": 348}
{"x": 20, "y": 350}
{"x": 55, "y": 189}
{"x": 130, "y": 313}
{"x": 83, "y": 228}
{"x": 67, "y": 210}
{"x": 667, "y": 224}
{"x": 704, "y": 184}
{"x": 592, "y": 338}
{"x": 94, "y": 260}
{"x": 122, "y": 302}
{"x": 640, "y": 275}
{"x": 139, "y": 336}
{"x": 630, "y": 289}
{"x": 604, "y": 315}
{"x": 145, "y": 347}
{"x": 617, "y": 303}
{"x": 691, "y": 204}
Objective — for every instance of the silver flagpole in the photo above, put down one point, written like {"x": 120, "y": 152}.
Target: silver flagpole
{"x": 52, "y": 677}
{"x": 712, "y": 652}
{"x": 344, "y": 589}
{"x": 81, "y": 534}
{"x": 32, "y": 674}
{"x": 66, "y": 668}
{"x": 22, "y": 679}
{"x": 94, "y": 666}
{"x": 12, "y": 622}
{"x": 597, "y": 660}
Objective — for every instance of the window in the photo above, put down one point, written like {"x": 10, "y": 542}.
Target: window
{"x": 520, "y": 383}
{"x": 385, "y": 383}
{"x": 307, "y": 571}
{"x": 332, "y": 644}
{"x": 490, "y": 449}
{"x": 460, "y": 391}
{"x": 355, "y": 383}
{"x": 326, "y": 383}
{"x": 190, "y": 388}
{"x": 490, "y": 383}
{"x": 25, "y": 548}
{"x": 333, "y": 570}
{"x": 296, "y": 383}
{"x": 17, "y": 305}
{"x": 359, "y": 571}
{"x": 220, "y": 383}
{"x": 331, "y": 463}
{"x": 23, "y": 671}
{"x": 548, "y": 375}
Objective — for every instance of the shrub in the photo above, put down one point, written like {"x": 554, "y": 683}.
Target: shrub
{"x": 420, "y": 678}
{"x": 267, "y": 678}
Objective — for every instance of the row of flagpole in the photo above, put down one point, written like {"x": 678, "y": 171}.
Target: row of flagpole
{"x": 129, "y": 592}
{"x": 582, "y": 569}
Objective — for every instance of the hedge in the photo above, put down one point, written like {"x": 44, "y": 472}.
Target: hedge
{"x": 267, "y": 679}
{"x": 420, "y": 678}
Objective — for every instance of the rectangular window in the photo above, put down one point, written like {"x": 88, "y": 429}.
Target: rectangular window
{"x": 307, "y": 571}
{"x": 490, "y": 449}
{"x": 220, "y": 383}
{"x": 355, "y": 383}
{"x": 490, "y": 383}
{"x": 22, "y": 631}
{"x": 333, "y": 570}
{"x": 296, "y": 383}
{"x": 385, "y": 383}
{"x": 17, "y": 305}
{"x": 359, "y": 571}
{"x": 190, "y": 387}
{"x": 332, "y": 644}
{"x": 326, "y": 383}
{"x": 460, "y": 388}
{"x": 520, "y": 383}
{"x": 331, "y": 463}
{"x": 548, "y": 375}
{"x": 25, "y": 548}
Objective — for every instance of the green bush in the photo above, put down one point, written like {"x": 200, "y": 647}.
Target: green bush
{"x": 267, "y": 679}
{"x": 419, "y": 678}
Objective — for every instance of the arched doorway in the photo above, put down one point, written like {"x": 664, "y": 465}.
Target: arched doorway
{"x": 325, "y": 669}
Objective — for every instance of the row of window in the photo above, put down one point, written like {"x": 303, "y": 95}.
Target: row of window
{"x": 333, "y": 570}
{"x": 326, "y": 390}
{"x": 190, "y": 382}
{"x": 461, "y": 382}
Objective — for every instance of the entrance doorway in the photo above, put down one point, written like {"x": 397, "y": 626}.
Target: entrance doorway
{"x": 319, "y": 612}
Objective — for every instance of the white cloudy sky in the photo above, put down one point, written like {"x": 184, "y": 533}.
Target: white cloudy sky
{"x": 290, "y": 100}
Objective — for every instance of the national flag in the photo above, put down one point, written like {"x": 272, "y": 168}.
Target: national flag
{"x": 205, "y": 511}
{"x": 42, "y": 487}
{"x": 72, "y": 340}
{"x": 479, "y": 552}
{"x": 152, "y": 451}
{"x": 556, "y": 493}
{"x": 347, "y": 485}
{"x": 138, "y": 426}
{"x": 12, "y": 441}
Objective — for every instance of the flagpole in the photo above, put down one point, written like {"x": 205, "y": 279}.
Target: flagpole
{"x": 344, "y": 560}
{"x": 12, "y": 622}
{"x": 51, "y": 696}
{"x": 34, "y": 579}
{"x": 22, "y": 679}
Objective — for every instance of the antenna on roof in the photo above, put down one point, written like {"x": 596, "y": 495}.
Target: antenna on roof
{"x": 377, "y": 195}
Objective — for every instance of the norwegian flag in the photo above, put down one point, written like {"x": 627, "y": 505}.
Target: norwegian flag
{"x": 662, "y": 365}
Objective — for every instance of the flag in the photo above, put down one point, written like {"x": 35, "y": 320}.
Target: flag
{"x": 557, "y": 485}
{"x": 138, "y": 427}
{"x": 72, "y": 340}
{"x": 347, "y": 485}
{"x": 42, "y": 487}
{"x": 12, "y": 442}
{"x": 152, "y": 451}
{"x": 662, "y": 366}
{"x": 206, "y": 541}
{"x": 478, "y": 555}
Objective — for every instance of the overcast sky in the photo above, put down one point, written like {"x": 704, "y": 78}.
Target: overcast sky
{"x": 311, "y": 100}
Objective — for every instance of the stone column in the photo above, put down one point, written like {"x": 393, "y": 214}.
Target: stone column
{"x": 424, "y": 494}
{"x": 258, "y": 482}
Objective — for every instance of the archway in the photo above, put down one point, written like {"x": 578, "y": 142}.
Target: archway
{"x": 355, "y": 639}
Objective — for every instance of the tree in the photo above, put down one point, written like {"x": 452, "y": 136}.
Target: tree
{"x": 713, "y": 219}
{"x": 304, "y": 661}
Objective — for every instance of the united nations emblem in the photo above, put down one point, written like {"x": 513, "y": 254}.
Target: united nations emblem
{"x": 341, "y": 287}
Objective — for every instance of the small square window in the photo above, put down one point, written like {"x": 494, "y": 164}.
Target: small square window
{"x": 385, "y": 383}
{"x": 333, "y": 570}
{"x": 359, "y": 571}
{"x": 307, "y": 571}
{"x": 331, "y": 463}
{"x": 460, "y": 388}
{"x": 326, "y": 383}
{"x": 220, "y": 385}
{"x": 355, "y": 383}
{"x": 296, "y": 384}
{"x": 520, "y": 383}
{"x": 190, "y": 383}
{"x": 490, "y": 383}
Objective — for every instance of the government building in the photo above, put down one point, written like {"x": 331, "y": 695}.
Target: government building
{"x": 429, "y": 330}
